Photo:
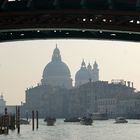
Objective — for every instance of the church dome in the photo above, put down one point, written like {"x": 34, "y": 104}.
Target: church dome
{"x": 57, "y": 68}
{"x": 57, "y": 73}
{"x": 82, "y": 74}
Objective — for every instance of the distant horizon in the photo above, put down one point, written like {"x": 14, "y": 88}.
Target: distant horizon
{"x": 22, "y": 62}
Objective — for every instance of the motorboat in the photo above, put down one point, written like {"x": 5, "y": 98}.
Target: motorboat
{"x": 73, "y": 119}
{"x": 50, "y": 121}
{"x": 86, "y": 121}
{"x": 120, "y": 120}
{"x": 23, "y": 121}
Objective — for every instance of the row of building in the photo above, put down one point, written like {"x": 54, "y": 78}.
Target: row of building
{"x": 101, "y": 96}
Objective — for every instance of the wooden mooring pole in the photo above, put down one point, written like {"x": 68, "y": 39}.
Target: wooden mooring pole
{"x": 6, "y": 122}
{"x": 33, "y": 116}
{"x": 12, "y": 121}
{"x": 36, "y": 119}
{"x": 18, "y": 119}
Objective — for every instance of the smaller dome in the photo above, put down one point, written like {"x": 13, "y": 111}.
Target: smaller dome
{"x": 83, "y": 73}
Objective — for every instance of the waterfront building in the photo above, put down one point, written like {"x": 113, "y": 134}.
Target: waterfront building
{"x": 130, "y": 107}
{"x": 46, "y": 99}
{"x": 108, "y": 105}
{"x": 114, "y": 99}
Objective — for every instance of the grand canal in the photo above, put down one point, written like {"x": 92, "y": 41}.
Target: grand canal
{"x": 100, "y": 130}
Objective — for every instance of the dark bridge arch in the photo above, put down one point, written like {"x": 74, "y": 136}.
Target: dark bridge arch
{"x": 82, "y": 19}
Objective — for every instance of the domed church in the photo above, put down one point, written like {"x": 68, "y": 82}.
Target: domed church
{"x": 52, "y": 97}
{"x": 57, "y": 73}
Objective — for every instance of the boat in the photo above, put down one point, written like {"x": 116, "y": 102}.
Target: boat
{"x": 120, "y": 120}
{"x": 50, "y": 121}
{"x": 86, "y": 121}
{"x": 99, "y": 116}
{"x": 74, "y": 119}
{"x": 23, "y": 121}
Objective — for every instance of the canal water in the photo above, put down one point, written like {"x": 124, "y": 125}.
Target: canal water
{"x": 100, "y": 130}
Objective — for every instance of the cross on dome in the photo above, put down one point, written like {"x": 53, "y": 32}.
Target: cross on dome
{"x": 56, "y": 55}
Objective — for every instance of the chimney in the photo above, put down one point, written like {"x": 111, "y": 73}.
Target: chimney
{"x": 128, "y": 82}
{"x": 125, "y": 83}
{"x": 132, "y": 85}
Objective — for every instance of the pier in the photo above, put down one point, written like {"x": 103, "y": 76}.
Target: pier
{"x": 12, "y": 121}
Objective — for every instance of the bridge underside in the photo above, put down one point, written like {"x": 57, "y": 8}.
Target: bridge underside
{"x": 66, "y": 34}
{"x": 111, "y": 20}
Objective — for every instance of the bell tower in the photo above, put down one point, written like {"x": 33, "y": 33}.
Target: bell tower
{"x": 95, "y": 72}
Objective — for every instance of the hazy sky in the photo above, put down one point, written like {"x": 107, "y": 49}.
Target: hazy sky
{"x": 22, "y": 62}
